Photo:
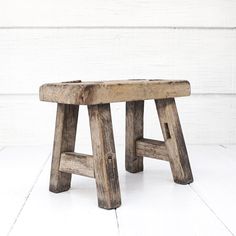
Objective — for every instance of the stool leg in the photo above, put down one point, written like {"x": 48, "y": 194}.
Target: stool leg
{"x": 105, "y": 166}
{"x": 64, "y": 141}
{"x": 134, "y": 131}
{"x": 174, "y": 140}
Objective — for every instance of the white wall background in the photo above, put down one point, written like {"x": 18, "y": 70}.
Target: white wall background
{"x": 58, "y": 40}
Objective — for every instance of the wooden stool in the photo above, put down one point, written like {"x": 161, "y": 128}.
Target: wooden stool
{"x": 102, "y": 165}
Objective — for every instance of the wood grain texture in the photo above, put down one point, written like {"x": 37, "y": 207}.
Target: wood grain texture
{"x": 84, "y": 93}
{"x": 174, "y": 140}
{"x": 121, "y": 13}
{"x": 133, "y": 131}
{"x": 105, "y": 166}
{"x": 152, "y": 148}
{"x": 204, "y": 57}
{"x": 64, "y": 141}
{"x": 77, "y": 163}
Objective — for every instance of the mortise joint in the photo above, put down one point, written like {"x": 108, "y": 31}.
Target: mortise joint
{"x": 110, "y": 166}
{"x": 167, "y": 131}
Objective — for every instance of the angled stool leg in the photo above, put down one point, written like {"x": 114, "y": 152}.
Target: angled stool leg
{"x": 105, "y": 166}
{"x": 134, "y": 131}
{"x": 64, "y": 141}
{"x": 174, "y": 140}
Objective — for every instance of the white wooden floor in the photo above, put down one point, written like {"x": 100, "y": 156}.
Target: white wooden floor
{"x": 152, "y": 204}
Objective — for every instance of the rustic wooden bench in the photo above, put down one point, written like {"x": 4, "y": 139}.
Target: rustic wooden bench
{"x": 102, "y": 164}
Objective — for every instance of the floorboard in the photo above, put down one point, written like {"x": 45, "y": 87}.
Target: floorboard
{"x": 19, "y": 168}
{"x": 215, "y": 178}
{"x": 74, "y": 212}
{"x": 152, "y": 204}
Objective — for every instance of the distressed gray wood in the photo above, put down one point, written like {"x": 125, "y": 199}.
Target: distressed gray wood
{"x": 99, "y": 92}
{"x": 134, "y": 131}
{"x": 64, "y": 141}
{"x": 105, "y": 166}
{"x": 152, "y": 148}
{"x": 77, "y": 163}
{"x": 174, "y": 140}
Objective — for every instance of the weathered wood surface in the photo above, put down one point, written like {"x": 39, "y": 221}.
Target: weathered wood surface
{"x": 105, "y": 166}
{"x": 152, "y": 148}
{"x": 112, "y": 91}
{"x": 77, "y": 163}
{"x": 174, "y": 141}
{"x": 134, "y": 131}
{"x": 64, "y": 141}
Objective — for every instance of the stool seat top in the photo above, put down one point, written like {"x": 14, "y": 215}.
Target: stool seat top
{"x": 100, "y": 92}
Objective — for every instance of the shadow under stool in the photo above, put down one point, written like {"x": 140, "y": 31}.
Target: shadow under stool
{"x": 102, "y": 164}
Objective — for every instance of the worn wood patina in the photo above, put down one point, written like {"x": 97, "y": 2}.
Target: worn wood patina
{"x": 87, "y": 93}
{"x": 102, "y": 165}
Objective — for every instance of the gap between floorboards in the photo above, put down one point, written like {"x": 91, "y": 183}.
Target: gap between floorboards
{"x": 117, "y": 222}
{"x": 29, "y": 193}
{"x": 210, "y": 209}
